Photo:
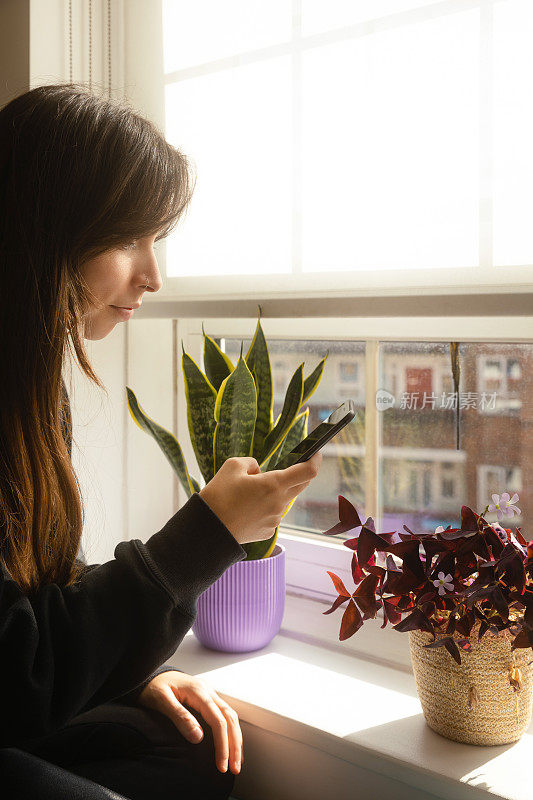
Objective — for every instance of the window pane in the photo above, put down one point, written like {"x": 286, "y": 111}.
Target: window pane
{"x": 318, "y": 16}
{"x": 424, "y": 479}
{"x": 390, "y": 148}
{"x": 513, "y": 132}
{"x": 198, "y": 31}
{"x": 235, "y": 125}
{"x": 342, "y": 470}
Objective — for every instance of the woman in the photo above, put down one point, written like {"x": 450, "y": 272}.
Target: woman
{"x": 86, "y": 188}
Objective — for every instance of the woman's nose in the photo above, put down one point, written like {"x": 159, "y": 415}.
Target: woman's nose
{"x": 152, "y": 275}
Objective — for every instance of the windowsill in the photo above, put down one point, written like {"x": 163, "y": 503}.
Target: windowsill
{"x": 318, "y": 722}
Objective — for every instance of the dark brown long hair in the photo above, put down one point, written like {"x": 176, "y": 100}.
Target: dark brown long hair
{"x": 79, "y": 175}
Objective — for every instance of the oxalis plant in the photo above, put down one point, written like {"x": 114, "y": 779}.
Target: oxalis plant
{"x": 443, "y": 582}
{"x": 229, "y": 413}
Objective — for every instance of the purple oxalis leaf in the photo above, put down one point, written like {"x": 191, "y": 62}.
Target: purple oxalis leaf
{"x": 489, "y": 571}
{"x": 450, "y": 645}
{"x": 416, "y": 620}
{"x": 348, "y": 518}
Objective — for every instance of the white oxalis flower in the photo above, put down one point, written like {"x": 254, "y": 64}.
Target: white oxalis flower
{"x": 504, "y": 505}
{"x": 443, "y": 583}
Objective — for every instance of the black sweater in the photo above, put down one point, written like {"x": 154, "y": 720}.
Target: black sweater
{"x": 72, "y": 648}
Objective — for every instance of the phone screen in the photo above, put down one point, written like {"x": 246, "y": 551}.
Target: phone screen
{"x": 319, "y": 436}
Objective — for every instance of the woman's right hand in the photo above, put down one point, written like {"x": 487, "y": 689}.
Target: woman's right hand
{"x": 251, "y": 503}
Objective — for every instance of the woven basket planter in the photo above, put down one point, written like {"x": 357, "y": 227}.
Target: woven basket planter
{"x": 498, "y": 715}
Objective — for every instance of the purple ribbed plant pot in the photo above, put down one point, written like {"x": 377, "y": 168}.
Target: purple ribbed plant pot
{"x": 243, "y": 609}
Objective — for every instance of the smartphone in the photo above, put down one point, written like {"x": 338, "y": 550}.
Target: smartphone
{"x": 320, "y": 436}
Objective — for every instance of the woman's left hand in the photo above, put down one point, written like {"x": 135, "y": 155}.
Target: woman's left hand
{"x": 166, "y": 693}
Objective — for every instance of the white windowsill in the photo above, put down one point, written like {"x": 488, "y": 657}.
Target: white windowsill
{"x": 319, "y": 721}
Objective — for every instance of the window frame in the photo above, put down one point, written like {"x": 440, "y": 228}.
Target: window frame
{"x": 308, "y": 556}
{"x": 309, "y": 546}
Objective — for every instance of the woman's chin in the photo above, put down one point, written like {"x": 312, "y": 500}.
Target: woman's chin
{"x": 94, "y": 331}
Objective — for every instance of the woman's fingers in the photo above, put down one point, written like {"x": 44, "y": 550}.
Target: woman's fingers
{"x": 185, "y": 722}
{"x": 300, "y": 473}
{"x": 234, "y": 733}
{"x": 299, "y": 489}
{"x": 168, "y": 694}
{"x": 217, "y": 721}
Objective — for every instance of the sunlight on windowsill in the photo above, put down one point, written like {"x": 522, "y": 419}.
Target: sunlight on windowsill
{"x": 325, "y": 699}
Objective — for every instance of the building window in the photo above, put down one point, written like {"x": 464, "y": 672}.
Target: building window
{"x": 418, "y": 380}
{"x": 448, "y": 487}
{"x": 348, "y": 371}
{"x": 499, "y": 378}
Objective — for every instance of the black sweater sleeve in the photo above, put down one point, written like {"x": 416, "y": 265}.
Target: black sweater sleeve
{"x": 71, "y": 648}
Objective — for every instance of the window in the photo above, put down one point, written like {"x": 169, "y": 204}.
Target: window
{"x": 432, "y": 151}
{"x": 348, "y": 371}
{"x": 405, "y": 485}
{"x": 418, "y": 381}
{"x": 421, "y": 478}
{"x": 499, "y": 378}
{"x": 448, "y": 487}
{"x": 349, "y": 381}
{"x": 448, "y": 483}
{"x": 277, "y": 102}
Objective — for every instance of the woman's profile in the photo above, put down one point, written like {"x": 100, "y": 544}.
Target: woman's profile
{"x": 90, "y": 709}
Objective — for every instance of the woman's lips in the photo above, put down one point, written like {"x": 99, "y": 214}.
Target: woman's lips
{"x": 125, "y": 313}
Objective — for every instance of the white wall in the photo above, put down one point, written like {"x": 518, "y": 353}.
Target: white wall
{"x": 98, "y": 446}
{"x": 48, "y": 54}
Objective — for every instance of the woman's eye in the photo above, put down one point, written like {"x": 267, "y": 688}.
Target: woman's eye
{"x": 129, "y": 245}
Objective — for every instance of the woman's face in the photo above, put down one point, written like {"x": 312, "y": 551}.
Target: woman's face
{"x": 118, "y": 278}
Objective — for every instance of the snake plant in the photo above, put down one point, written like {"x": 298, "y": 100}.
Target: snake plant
{"x": 229, "y": 413}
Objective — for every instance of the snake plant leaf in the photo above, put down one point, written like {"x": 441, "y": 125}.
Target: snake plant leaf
{"x": 235, "y": 414}
{"x": 201, "y": 397}
{"x": 250, "y": 355}
{"x": 270, "y": 463}
{"x": 258, "y": 362}
{"x": 263, "y": 548}
{"x": 274, "y": 457}
{"x": 166, "y": 441}
{"x": 312, "y": 380}
{"x": 297, "y": 432}
{"x": 260, "y": 549}
{"x": 291, "y": 406}
{"x": 217, "y": 364}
